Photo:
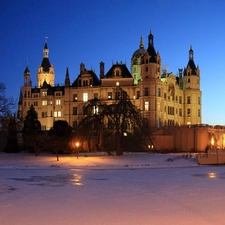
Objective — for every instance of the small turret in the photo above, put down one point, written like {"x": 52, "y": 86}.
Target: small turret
{"x": 45, "y": 70}
{"x": 82, "y": 68}
{"x": 150, "y": 39}
{"x": 27, "y": 81}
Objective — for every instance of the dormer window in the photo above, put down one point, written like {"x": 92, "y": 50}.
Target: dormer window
{"x": 117, "y": 72}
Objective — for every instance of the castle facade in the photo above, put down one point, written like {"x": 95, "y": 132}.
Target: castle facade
{"x": 165, "y": 99}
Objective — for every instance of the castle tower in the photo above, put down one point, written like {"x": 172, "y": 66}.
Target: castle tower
{"x": 151, "y": 85}
{"x": 45, "y": 70}
{"x": 192, "y": 93}
{"x": 26, "y": 90}
{"x": 25, "y": 94}
{"x": 136, "y": 62}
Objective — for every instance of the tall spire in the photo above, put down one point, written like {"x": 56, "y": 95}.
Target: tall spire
{"x": 46, "y": 51}
{"x": 151, "y": 49}
{"x": 67, "y": 79}
{"x": 27, "y": 69}
{"x": 150, "y": 39}
{"x": 191, "y": 53}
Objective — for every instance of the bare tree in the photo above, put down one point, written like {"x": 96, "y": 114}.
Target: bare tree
{"x": 7, "y": 104}
{"x": 126, "y": 128}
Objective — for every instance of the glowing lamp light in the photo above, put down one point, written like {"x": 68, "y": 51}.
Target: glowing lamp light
{"x": 77, "y": 144}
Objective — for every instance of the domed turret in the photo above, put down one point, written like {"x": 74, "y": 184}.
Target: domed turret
{"x": 136, "y": 61}
{"x": 139, "y": 52}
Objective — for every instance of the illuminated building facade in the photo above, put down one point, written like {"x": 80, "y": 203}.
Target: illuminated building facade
{"x": 164, "y": 99}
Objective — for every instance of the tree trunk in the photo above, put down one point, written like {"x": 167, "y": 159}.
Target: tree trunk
{"x": 118, "y": 144}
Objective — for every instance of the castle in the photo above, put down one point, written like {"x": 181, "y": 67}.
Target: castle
{"x": 163, "y": 98}
{"x": 168, "y": 101}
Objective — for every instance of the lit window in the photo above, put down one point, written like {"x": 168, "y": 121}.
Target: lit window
{"x": 85, "y": 97}
{"x": 44, "y": 102}
{"x": 95, "y": 110}
{"x": 74, "y": 97}
{"x": 44, "y": 93}
{"x": 117, "y": 83}
{"x": 109, "y": 95}
{"x": 50, "y": 102}
{"x": 57, "y": 101}
{"x": 146, "y": 106}
{"x": 57, "y": 114}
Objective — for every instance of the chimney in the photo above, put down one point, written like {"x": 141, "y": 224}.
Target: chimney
{"x": 102, "y": 69}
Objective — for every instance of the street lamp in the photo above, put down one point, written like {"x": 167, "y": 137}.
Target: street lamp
{"x": 77, "y": 146}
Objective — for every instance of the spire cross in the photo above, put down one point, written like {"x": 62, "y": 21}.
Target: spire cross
{"x": 141, "y": 40}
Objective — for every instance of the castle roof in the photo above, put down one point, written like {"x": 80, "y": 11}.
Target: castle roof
{"x": 125, "y": 73}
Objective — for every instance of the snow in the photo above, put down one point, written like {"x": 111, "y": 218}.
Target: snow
{"x": 104, "y": 190}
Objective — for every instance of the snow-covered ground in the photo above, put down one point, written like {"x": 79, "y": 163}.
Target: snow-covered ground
{"x": 104, "y": 190}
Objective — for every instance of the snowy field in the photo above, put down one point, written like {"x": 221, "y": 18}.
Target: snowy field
{"x": 104, "y": 190}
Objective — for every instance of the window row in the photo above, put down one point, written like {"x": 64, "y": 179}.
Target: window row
{"x": 55, "y": 114}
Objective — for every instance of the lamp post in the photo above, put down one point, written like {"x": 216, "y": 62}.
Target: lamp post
{"x": 77, "y": 146}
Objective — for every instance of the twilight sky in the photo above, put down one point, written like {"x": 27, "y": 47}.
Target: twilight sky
{"x": 90, "y": 31}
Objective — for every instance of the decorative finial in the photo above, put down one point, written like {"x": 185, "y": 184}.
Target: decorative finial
{"x": 141, "y": 42}
{"x": 26, "y": 62}
{"x": 46, "y": 38}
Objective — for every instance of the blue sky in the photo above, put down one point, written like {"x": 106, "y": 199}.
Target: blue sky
{"x": 90, "y": 31}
